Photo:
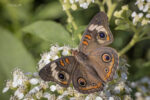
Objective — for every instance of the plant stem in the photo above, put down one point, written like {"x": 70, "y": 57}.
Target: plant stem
{"x": 130, "y": 45}
{"x": 71, "y": 19}
{"x": 101, "y": 5}
{"x": 111, "y": 7}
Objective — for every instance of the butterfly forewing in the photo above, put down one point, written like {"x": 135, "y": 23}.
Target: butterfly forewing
{"x": 59, "y": 71}
{"x": 97, "y": 34}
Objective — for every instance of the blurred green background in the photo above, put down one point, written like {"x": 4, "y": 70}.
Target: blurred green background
{"x": 29, "y": 27}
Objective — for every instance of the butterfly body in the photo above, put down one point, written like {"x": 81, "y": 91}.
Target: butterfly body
{"x": 89, "y": 67}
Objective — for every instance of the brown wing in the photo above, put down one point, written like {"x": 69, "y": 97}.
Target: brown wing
{"x": 105, "y": 61}
{"x": 86, "y": 80}
{"x": 97, "y": 34}
{"x": 59, "y": 71}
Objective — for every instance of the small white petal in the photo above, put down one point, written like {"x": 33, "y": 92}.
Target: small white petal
{"x": 76, "y": 0}
{"x": 140, "y": 15}
{"x": 137, "y": 2}
{"x": 148, "y": 0}
{"x": 146, "y": 8}
{"x": 71, "y": 1}
{"x": 93, "y": 1}
{"x": 98, "y": 98}
{"x": 55, "y": 57}
{"x": 124, "y": 76}
{"x": 19, "y": 94}
{"x": 134, "y": 14}
{"x": 147, "y": 15}
{"x": 147, "y": 98}
{"x": 141, "y": 7}
{"x": 5, "y": 89}
{"x": 84, "y": 5}
{"x": 137, "y": 94}
{"x": 133, "y": 84}
{"x": 53, "y": 88}
{"x": 34, "y": 81}
{"x": 87, "y": 98}
{"x": 111, "y": 98}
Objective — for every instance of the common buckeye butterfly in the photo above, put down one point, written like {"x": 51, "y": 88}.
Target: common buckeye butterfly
{"x": 89, "y": 67}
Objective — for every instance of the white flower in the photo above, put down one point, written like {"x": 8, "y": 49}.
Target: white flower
{"x": 138, "y": 94}
{"x": 84, "y": 5}
{"x": 65, "y": 93}
{"x": 147, "y": 15}
{"x": 111, "y": 98}
{"x": 134, "y": 14}
{"x": 34, "y": 90}
{"x": 147, "y": 98}
{"x": 133, "y": 84}
{"x": 124, "y": 76}
{"x": 87, "y": 97}
{"x": 55, "y": 57}
{"x": 71, "y": 1}
{"x": 19, "y": 94}
{"x": 8, "y": 85}
{"x": 65, "y": 51}
{"x": 49, "y": 96}
{"x": 18, "y": 78}
{"x": 39, "y": 94}
{"x": 76, "y": 0}
{"x": 128, "y": 89}
{"x": 145, "y": 80}
{"x": 53, "y": 88}
{"x": 98, "y": 98}
{"x": 5, "y": 89}
{"x": 45, "y": 59}
{"x": 145, "y": 9}
{"x": 140, "y": 15}
{"x": 119, "y": 87}
{"x": 148, "y": 0}
{"x": 34, "y": 81}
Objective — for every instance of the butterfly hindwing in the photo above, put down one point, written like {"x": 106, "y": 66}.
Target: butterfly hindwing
{"x": 86, "y": 81}
{"x": 105, "y": 61}
{"x": 59, "y": 71}
{"x": 97, "y": 34}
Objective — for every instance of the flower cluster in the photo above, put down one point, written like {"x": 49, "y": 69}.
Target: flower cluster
{"x": 144, "y": 15}
{"x": 28, "y": 86}
{"x": 73, "y": 4}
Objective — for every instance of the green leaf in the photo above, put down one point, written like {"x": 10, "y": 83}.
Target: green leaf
{"x": 122, "y": 27}
{"x": 12, "y": 54}
{"x": 51, "y": 10}
{"x": 49, "y": 31}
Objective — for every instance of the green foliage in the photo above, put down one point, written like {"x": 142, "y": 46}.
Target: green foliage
{"x": 29, "y": 27}
{"x": 48, "y": 31}
{"x": 52, "y": 10}
{"x": 13, "y": 54}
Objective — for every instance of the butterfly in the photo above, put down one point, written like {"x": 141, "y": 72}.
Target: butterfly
{"x": 92, "y": 65}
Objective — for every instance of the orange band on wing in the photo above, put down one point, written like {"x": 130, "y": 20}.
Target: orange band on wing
{"x": 67, "y": 61}
{"x": 85, "y": 42}
{"x": 91, "y": 87}
{"x": 107, "y": 38}
{"x": 88, "y": 36}
{"x": 61, "y": 62}
{"x": 64, "y": 82}
{"x": 110, "y": 69}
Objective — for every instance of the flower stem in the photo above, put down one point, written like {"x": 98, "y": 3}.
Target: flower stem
{"x": 71, "y": 19}
{"x": 130, "y": 45}
{"x": 111, "y": 7}
{"x": 101, "y": 5}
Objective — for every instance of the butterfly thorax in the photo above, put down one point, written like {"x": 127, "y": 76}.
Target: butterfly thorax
{"x": 80, "y": 57}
